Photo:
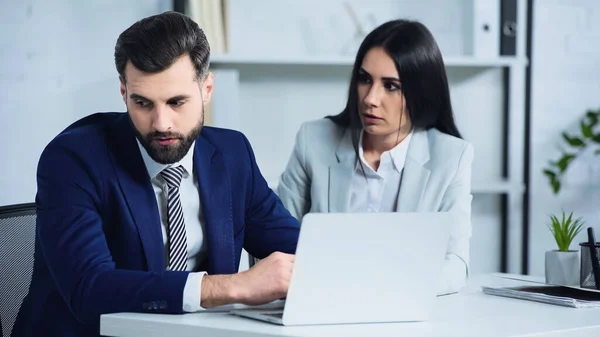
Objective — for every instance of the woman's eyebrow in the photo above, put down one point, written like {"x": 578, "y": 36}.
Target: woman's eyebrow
{"x": 395, "y": 79}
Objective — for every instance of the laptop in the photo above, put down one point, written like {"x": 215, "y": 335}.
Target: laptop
{"x": 363, "y": 268}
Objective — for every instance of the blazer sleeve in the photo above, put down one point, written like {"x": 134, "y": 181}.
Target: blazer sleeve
{"x": 269, "y": 225}
{"x": 294, "y": 183}
{"x": 71, "y": 235}
{"x": 457, "y": 199}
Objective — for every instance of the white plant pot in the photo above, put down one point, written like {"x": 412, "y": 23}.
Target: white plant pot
{"x": 562, "y": 267}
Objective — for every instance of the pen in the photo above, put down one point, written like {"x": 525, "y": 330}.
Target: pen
{"x": 595, "y": 266}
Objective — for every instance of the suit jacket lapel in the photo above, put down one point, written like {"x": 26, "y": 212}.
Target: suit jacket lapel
{"x": 340, "y": 175}
{"x": 415, "y": 174}
{"x": 137, "y": 190}
{"x": 215, "y": 195}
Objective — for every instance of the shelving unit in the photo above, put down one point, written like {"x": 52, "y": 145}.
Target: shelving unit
{"x": 267, "y": 92}
{"x": 228, "y": 60}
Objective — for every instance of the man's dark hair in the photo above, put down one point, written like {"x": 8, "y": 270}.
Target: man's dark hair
{"x": 156, "y": 42}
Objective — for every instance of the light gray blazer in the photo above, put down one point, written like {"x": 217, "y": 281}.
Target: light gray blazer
{"x": 436, "y": 177}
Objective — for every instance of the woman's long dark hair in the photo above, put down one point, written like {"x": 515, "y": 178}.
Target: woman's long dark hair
{"x": 422, "y": 75}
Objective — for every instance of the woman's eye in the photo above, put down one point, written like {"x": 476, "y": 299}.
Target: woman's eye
{"x": 363, "y": 79}
{"x": 391, "y": 87}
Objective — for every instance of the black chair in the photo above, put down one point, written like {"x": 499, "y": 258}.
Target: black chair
{"x": 17, "y": 244}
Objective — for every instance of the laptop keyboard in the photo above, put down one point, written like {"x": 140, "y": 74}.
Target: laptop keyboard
{"x": 277, "y": 315}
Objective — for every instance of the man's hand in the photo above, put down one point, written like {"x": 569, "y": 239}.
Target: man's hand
{"x": 266, "y": 281}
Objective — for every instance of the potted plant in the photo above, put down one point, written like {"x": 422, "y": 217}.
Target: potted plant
{"x": 562, "y": 264}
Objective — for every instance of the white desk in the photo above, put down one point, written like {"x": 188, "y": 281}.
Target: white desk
{"x": 470, "y": 313}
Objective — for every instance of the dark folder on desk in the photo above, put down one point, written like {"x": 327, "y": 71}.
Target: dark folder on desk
{"x": 551, "y": 294}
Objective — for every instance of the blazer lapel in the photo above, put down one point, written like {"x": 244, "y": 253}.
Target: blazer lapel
{"x": 137, "y": 189}
{"x": 215, "y": 196}
{"x": 340, "y": 175}
{"x": 415, "y": 174}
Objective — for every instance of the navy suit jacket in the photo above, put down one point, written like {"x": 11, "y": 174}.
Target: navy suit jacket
{"x": 99, "y": 247}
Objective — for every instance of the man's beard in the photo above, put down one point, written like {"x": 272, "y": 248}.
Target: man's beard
{"x": 169, "y": 154}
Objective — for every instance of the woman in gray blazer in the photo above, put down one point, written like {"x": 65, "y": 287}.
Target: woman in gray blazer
{"x": 394, "y": 148}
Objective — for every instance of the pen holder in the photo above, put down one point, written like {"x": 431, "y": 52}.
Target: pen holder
{"x": 586, "y": 276}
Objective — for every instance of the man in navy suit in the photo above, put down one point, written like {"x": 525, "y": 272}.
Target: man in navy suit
{"x": 148, "y": 211}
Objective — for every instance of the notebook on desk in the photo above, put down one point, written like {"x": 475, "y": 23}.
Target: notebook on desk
{"x": 363, "y": 268}
{"x": 551, "y": 294}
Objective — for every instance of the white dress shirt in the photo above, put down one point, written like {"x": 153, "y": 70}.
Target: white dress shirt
{"x": 378, "y": 192}
{"x": 192, "y": 214}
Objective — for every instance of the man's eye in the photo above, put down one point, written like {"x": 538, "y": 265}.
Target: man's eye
{"x": 141, "y": 103}
{"x": 177, "y": 103}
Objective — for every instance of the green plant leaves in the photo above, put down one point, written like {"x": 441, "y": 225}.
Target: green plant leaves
{"x": 555, "y": 184}
{"x": 592, "y": 116}
{"x": 564, "y": 162}
{"x": 549, "y": 173}
{"x": 586, "y": 130}
{"x": 565, "y": 230}
{"x": 590, "y": 136}
{"x": 573, "y": 141}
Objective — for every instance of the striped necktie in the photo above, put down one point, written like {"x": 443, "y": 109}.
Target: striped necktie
{"x": 176, "y": 230}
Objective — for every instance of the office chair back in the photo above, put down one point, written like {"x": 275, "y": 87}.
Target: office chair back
{"x": 17, "y": 243}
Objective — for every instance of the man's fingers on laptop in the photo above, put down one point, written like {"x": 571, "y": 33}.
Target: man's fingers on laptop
{"x": 269, "y": 279}
{"x": 284, "y": 256}
{"x": 285, "y": 261}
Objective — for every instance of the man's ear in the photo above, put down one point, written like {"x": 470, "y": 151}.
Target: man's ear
{"x": 207, "y": 88}
{"x": 123, "y": 90}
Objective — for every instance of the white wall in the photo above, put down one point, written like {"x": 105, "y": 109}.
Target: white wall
{"x": 56, "y": 65}
{"x": 565, "y": 84}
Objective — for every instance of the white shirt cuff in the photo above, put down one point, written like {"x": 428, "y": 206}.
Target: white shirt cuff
{"x": 192, "y": 292}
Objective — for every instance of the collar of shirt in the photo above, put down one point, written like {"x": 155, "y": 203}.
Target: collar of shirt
{"x": 155, "y": 168}
{"x": 396, "y": 157}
